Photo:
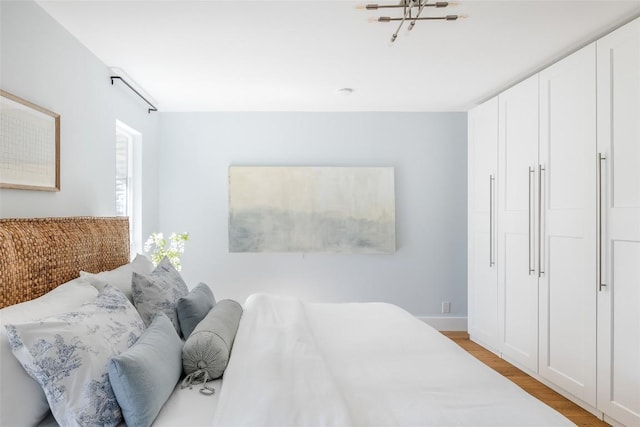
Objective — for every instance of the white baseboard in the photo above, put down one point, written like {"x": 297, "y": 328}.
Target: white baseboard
{"x": 445, "y": 323}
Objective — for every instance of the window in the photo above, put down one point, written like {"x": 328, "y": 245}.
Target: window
{"x": 128, "y": 173}
{"x": 124, "y": 169}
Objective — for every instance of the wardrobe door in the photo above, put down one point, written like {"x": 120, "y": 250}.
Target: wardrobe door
{"x": 482, "y": 275}
{"x": 619, "y": 226}
{"x": 517, "y": 264}
{"x": 567, "y": 269}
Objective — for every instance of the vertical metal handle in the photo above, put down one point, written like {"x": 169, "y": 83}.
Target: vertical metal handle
{"x": 531, "y": 270}
{"x": 491, "y": 179}
{"x": 540, "y": 241}
{"x": 600, "y": 283}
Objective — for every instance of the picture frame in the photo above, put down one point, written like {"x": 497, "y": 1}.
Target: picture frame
{"x": 29, "y": 145}
{"x": 312, "y": 209}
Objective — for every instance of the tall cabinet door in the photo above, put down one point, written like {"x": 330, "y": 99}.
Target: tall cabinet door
{"x": 482, "y": 275}
{"x": 568, "y": 224}
{"x": 619, "y": 229}
{"x": 517, "y": 263}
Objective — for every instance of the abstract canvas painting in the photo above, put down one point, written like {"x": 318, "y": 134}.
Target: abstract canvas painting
{"x": 311, "y": 209}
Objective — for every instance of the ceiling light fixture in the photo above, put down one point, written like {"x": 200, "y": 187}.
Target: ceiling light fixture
{"x": 412, "y": 10}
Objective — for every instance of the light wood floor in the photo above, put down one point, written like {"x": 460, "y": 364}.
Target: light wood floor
{"x": 527, "y": 383}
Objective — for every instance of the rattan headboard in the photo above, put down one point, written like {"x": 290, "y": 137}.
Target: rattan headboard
{"x": 38, "y": 254}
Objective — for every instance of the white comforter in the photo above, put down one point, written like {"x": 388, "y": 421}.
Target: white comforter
{"x": 298, "y": 365}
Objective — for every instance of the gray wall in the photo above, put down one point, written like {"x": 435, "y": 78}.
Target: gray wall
{"x": 42, "y": 63}
{"x": 427, "y": 150}
{"x": 185, "y": 163}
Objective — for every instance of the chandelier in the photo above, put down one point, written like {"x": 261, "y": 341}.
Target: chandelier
{"x": 412, "y": 10}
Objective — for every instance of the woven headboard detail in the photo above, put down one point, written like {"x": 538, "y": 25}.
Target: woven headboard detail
{"x": 38, "y": 254}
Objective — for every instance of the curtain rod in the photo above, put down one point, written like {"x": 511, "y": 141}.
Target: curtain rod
{"x": 152, "y": 107}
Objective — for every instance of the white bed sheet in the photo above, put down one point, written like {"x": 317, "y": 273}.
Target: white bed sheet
{"x": 296, "y": 364}
{"x": 185, "y": 407}
{"x": 189, "y": 407}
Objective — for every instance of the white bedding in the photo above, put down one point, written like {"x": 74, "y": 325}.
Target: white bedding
{"x": 296, "y": 364}
{"x": 189, "y": 407}
{"x": 185, "y": 407}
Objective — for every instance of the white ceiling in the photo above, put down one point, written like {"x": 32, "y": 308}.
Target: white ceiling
{"x": 271, "y": 55}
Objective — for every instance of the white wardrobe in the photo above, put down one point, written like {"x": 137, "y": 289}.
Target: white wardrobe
{"x": 482, "y": 214}
{"x": 559, "y": 219}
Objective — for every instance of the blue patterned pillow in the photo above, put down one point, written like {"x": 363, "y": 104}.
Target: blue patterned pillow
{"x": 159, "y": 292}
{"x": 68, "y": 356}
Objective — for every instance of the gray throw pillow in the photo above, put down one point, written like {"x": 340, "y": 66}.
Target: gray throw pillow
{"x": 194, "y": 307}
{"x": 158, "y": 292}
{"x": 208, "y": 347}
{"x": 144, "y": 376}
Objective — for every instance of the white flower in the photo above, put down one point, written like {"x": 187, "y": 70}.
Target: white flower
{"x": 156, "y": 244}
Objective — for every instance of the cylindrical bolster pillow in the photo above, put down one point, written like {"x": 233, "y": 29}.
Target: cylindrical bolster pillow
{"x": 209, "y": 345}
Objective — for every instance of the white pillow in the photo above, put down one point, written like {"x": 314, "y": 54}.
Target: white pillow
{"x": 68, "y": 355}
{"x": 121, "y": 276}
{"x": 22, "y": 401}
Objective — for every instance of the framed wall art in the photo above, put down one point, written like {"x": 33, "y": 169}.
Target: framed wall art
{"x": 312, "y": 209}
{"x": 29, "y": 145}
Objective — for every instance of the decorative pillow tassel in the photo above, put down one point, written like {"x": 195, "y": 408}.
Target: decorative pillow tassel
{"x": 192, "y": 379}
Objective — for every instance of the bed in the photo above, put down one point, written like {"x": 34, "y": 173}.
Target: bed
{"x": 293, "y": 363}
